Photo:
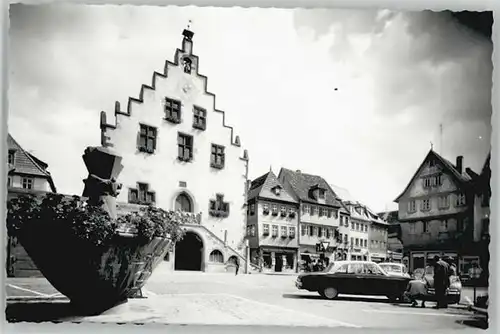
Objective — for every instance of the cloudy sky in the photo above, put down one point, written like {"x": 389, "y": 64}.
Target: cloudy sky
{"x": 356, "y": 96}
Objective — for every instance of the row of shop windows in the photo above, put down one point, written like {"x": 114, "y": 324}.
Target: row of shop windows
{"x": 464, "y": 264}
{"x": 285, "y": 231}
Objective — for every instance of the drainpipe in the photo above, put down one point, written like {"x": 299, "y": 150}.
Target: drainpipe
{"x": 299, "y": 234}
{"x": 247, "y": 266}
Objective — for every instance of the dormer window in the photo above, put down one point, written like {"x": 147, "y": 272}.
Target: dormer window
{"x": 317, "y": 192}
{"x": 321, "y": 193}
{"x": 277, "y": 190}
{"x": 12, "y": 156}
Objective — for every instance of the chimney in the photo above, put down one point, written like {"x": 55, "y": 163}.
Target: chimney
{"x": 298, "y": 171}
{"x": 460, "y": 162}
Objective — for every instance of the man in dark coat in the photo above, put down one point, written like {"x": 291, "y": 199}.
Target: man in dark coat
{"x": 441, "y": 281}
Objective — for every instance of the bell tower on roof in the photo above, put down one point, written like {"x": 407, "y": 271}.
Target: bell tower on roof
{"x": 186, "y": 59}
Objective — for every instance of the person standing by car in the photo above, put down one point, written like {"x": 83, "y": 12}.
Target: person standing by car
{"x": 441, "y": 281}
{"x": 453, "y": 267}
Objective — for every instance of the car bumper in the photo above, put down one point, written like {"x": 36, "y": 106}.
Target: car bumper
{"x": 298, "y": 284}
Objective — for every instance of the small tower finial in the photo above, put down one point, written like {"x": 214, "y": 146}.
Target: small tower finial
{"x": 270, "y": 168}
{"x": 432, "y": 146}
{"x": 189, "y": 24}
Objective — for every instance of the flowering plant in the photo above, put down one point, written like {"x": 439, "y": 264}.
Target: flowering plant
{"x": 90, "y": 223}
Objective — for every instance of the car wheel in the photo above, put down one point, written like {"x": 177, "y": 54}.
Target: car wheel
{"x": 329, "y": 293}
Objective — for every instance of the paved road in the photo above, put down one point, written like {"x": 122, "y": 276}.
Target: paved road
{"x": 276, "y": 295}
{"x": 199, "y": 298}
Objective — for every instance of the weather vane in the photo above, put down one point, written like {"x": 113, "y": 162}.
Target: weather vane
{"x": 432, "y": 145}
{"x": 189, "y": 24}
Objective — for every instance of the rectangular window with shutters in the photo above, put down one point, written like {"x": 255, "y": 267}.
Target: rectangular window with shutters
{"x": 345, "y": 238}
{"x": 265, "y": 229}
{"x": 141, "y": 195}
{"x": 321, "y": 212}
{"x": 147, "y": 138}
{"x": 185, "y": 147}
{"x": 291, "y": 232}
{"x": 275, "y": 231}
{"x": 328, "y": 233}
{"x": 217, "y": 157}
{"x": 311, "y": 231}
{"x": 303, "y": 230}
{"x": 172, "y": 110}
{"x": 426, "y": 205}
{"x": 320, "y": 232}
{"x": 199, "y": 118}
{"x": 284, "y": 232}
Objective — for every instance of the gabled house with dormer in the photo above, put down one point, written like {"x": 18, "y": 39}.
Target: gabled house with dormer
{"x": 320, "y": 214}
{"x": 359, "y": 229}
{"x": 25, "y": 171}
{"x": 435, "y": 212}
{"x": 272, "y": 225}
{"x": 179, "y": 154}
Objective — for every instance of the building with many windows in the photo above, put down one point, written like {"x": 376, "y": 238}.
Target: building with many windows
{"x": 25, "y": 174}
{"x": 319, "y": 214}
{"x": 378, "y": 238}
{"x": 435, "y": 212}
{"x": 179, "y": 154}
{"x": 358, "y": 235}
{"x": 272, "y": 224}
{"x": 394, "y": 244}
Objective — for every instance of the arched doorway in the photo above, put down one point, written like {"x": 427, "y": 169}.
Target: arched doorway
{"x": 183, "y": 203}
{"x": 189, "y": 252}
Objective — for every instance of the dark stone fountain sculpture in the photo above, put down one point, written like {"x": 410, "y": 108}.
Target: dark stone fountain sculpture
{"x": 95, "y": 279}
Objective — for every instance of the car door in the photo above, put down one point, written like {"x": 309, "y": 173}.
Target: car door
{"x": 374, "y": 280}
{"x": 354, "y": 283}
{"x": 346, "y": 279}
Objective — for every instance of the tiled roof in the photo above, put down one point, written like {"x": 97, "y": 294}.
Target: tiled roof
{"x": 460, "y": 177}
{"x": 26, "y": 163}
{"x": 262, "y": 187}
{"x": 301, "y": 183}
{"x": 358, "y": 211}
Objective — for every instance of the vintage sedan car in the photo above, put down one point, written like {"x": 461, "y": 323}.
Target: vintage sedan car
{"x": 353, "y": 278}
{"x": 395, "y": 269}
{"x": 454, "y": 292}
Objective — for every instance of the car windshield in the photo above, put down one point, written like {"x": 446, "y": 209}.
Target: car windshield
{"x": 392, "y": 268}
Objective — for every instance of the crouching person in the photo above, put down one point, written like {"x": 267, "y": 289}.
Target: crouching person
{"x": 417, "y": 290}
